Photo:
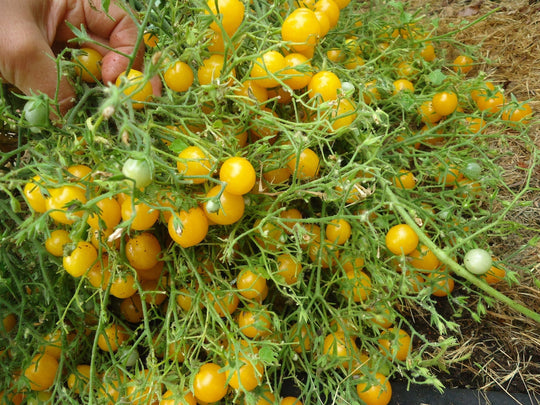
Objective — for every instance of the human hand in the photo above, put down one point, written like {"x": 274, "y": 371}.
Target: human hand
{"x": 32, "y": 30}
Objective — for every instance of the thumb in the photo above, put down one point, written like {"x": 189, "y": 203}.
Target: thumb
{"x": 28, "y": 63}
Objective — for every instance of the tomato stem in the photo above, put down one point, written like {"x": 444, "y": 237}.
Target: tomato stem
{"x": 437, "y": 360}
{"x": 457, "y": 268}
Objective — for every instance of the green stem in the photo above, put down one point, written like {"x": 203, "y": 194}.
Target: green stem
{"x": 437, "y": 360}
{"x": 463, "y": 28}
{"x": 458, "y": 269}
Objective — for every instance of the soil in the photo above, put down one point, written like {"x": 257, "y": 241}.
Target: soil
{"x": 504, "y": 348}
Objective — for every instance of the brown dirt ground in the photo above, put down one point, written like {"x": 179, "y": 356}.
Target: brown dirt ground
{"x": 504, "y": 348}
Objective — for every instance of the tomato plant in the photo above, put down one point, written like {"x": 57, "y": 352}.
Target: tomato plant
{"x": 300, "y": 338}
{"x": 298, "y": 72}
{"x": 521, "y": 113}
{"x": 263, "y": 396}
{"x": 122, "y": 285}
{"x": 290, "y": 401}
{"x": 312, "y": 170}
{"x": 462, "y": 64}
{"x": 405, "y": 179}
{"x": 150, "y": 39}
{"x": 211, "y": 71}
{"x": 34, "y": 196}
{"x": 251, "y": 285}
{"x": 428, "y": 114}
{"x": 338, "y": 346}
{"x": 8, "y": 323}
{"x": 357, "y": 285}
{"x": 494, "y": 275}
{"x": 79, "y": 379}
{"x": 395, "y": 343}
{"x": 267, "y": 70}
{"x": 304, "y": 166}
{"x": 338, "y": 231}
{"x": 423, "y": 258}
{"x": 442, "y": 283}
{"x": 255, "y": 322}
{"x": 169, "y": 398}
{"x": 289, "y": 268}
{"x": 403, "y": 85}
{"x": 131, "y": 309}
{"x": 99, "y": 274}
{"x": 343, "y": 114}
{"x": 224, "y": 302}
{"x": 251, "y": 92}
{"x": 245, "y": 376}
{"x": 490, "y": 100}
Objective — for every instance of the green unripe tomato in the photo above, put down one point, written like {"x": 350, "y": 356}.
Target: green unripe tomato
{"x": 139, "y": 171}
{"x": 477, "y": 261}
{"x": 36, "y": 112}
{"x": 472, "y": 170}
{"x": 128, "y": 356}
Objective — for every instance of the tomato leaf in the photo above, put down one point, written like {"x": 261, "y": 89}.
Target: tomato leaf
{"x": 436, "y": 77}
{"x": 267, "y": 355}
{"x": 178, "y": 145}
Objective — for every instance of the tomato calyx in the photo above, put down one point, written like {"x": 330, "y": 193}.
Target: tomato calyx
{"x": 213, "y": 205}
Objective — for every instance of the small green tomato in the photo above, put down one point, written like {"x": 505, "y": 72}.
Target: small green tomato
{"x": 139, "y": 171}
{"x": 472, "y": 170}
{"x": 36, "y": 112}
{"x": 477, "y": 261}
{"x": 128, "y": 356}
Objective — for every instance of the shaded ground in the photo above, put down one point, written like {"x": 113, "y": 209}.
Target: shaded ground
{"x": 504, "y": 348}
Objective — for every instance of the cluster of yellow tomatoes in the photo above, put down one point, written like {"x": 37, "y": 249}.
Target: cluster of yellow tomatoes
{"x": 264, "y": 245}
